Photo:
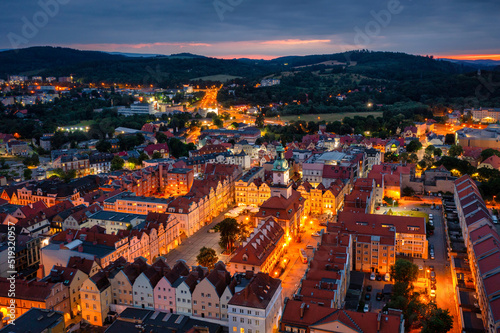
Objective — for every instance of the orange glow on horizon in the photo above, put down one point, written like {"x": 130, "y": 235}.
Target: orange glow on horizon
{"x": 472, "y": 57}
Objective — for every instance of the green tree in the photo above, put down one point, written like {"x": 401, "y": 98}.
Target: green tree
{"x": 488, "y": 153}
{"x": 103, "y": 146}
{"x": 408, "y": 191}
{"x": 32, "y": 160}
{"x": 161, "y": 138}
{"x": 117, "y": 163}
{"x": 404, "y": 271}
{"x": 217, "y": 121}
{"x": 207, "y": 257}
{"x": 455, "y": 150}
{"x": 229, "y": 231}
{"x": 437, "y": 321}
{"x": 156, "y": 155}
{"x": 27, "y": 174}
{"x": 413, "y": 146}
{"x": 259, "y": 121}
{"x": 430, "y": 150}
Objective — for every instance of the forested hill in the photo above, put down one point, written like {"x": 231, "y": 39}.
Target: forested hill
{"x": 31, "y": 61}
{"x": 93, "y": 66}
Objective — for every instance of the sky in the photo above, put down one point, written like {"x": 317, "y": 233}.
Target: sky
{"x": 259, "y": 29}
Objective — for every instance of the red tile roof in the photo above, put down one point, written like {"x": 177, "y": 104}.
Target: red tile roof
{"x": 258, "y": 293}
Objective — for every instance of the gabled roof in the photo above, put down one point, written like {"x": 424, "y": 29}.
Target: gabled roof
{"x": 258, "y": 293}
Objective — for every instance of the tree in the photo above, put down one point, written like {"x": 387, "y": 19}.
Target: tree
{"x": 229, "y": 230}
{"x": 32, "y": 160}
{"x": 103, "y": 146}
{"x": 117, "y": 163}
{"x": 437, "y": 321}
{"x": 455, "y": 150}
{"x": 430, "y": 150}
{"x": 161, "y": 138}
{"x": 27, "y": 174}
{"x": 413, "y": 146}
{"x": 259, "y": 121}
{"x": 207, "y": 257}
{"x": 408, "y": 191}
{"x": 404, "y": 271}
{"x": 488, "y": 153}
{"x": 156, "y": 155}
{"x": 217, "y": 121}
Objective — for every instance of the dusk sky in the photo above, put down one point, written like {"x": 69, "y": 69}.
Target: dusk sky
{"x": 257, "y": 28}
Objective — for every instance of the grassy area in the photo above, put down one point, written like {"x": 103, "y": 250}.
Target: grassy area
{"x": 218, "y": 77}
{"x": 82, "y": 124}
{"x": 329, "y": 116}
{"x": 412, "y": 214}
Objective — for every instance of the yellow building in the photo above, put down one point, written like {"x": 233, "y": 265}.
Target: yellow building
{"x": 96, "y": 299}
{"x": 321, "y": 200}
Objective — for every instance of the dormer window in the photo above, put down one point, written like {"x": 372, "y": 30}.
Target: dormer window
{"x": 245, "y": 257}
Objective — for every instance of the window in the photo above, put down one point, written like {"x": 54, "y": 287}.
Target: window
{"x": 235, "y": 329}
{"x": 242, "y": 320}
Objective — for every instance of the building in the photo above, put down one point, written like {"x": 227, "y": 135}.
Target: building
{"x": 72, "y": 279}
{"x": 486, "y": 115}
{"x": 479, "y": 138}
{"x": 164, "y": 292}
{"x": 96, "y": 298}
{"x": 492, "y": 162}
{"x": 262, "y": 250}
{"x": 409, "y": 232}
{"x": 307, "y": 318}
{"x": 100, "y": 163}
{"x": 37, "y": 321}
{"x": 133, "y": 319}
{"x": 288, "y": 212}
{"x": 113, "y": 221}
{"x": 179, "y": 181}
{"x": 323, "y": 200}
{"x": 184, "y": 288}
{"x": 257, "y": 308}
{"x": 145, "y": 283}
{"x": 34, "y": 294}
{"x": 483, "y": 248}
{"x": 78, "y": 162}
{"x": 210, "y": 293}
{"x": 27, "y": 253}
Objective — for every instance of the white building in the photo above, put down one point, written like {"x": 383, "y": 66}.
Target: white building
{"x": 143, "y": 288}
{"x": 256, "y": 308}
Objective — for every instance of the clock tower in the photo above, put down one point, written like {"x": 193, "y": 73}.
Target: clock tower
{"x": 281, "y": 178}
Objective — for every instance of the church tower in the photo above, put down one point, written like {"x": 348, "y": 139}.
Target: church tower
{"x": 281, "y": 177}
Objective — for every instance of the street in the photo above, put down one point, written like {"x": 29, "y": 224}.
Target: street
{"x": 444, "y": 286}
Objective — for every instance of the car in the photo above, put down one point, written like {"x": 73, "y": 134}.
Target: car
{"x": 387, "y": 277}
{"x": 379, "y": 296}
{"x": 431, "y": 268}
{"x": 366, "y": 308}
{"x": 378, "y": 208}
{"x": 433, "y": 294}
{"x": 379, "y": 277}
{"x": 433, "y": 286}
{"x": 368, "y": 288}
{"x": 309, "y": 246}
{"x": 368, "y": 296}
{"x": 432, "y": 247}
{"x": 431, "y": 216}
{"x": 420, "y": 267}
{"x": 433, "y": 274}
{"x": 372, "y": 276}
{"x": 432, "y": 255}
{"x": 315, "y": 234}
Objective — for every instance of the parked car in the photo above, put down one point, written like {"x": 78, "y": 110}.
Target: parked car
{"x": 431, "y": 268}
{"x": 368, "y": 296}
{"x": 379, "y": 277}
{"x": 387, "y": 277}
{"x": 372, "y": 276}
{"x": 366, "y": 308}
{"x": 315, "y": 234}
{"x": 309, "y": 246}
{"x": 433, "y": 294}
{"x": 433, "y": 286}
{"x": 433, "y": 274}
{"x": 379, "y": 296}
{"x": 432, "y": 255}
{"x": 368, "y": 288}
{"x": 431, "y": 216}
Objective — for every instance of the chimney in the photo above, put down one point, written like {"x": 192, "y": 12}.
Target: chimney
{"x": 39, "y": 273}
{"x": 302, "y": 310}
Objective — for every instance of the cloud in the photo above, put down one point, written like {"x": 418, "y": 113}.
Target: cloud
{"x": 272, "y": 28}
